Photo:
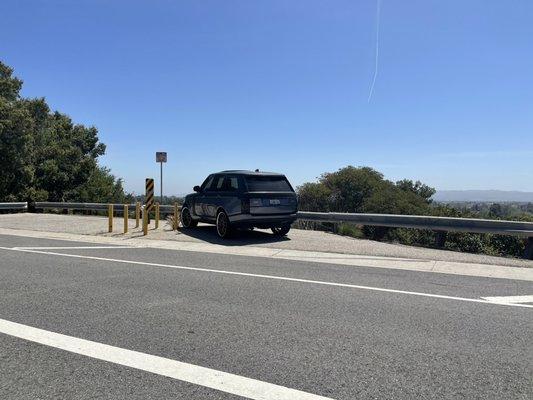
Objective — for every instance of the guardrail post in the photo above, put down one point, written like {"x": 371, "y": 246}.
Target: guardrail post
{"x": 156, "y": 215}
{"x": 175, "y": 227}
{"x": 110, "y": 215}
{"x": 440, "y": 238}
{"x": 145, "y": 222}
{"x": 126, "y": 218}
{"x": 528, "y": 252}
{"x": 137, "y": 213}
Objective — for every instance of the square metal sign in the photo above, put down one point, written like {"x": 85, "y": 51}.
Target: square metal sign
{"x": 161, "y": 156}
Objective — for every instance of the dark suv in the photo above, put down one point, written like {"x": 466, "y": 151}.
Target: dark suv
{"x": 242, "y": 199}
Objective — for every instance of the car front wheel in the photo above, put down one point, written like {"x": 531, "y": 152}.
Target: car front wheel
{"x": 186, "y": 218}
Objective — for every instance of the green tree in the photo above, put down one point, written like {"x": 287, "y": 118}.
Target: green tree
{"x": 351, "y": 188}
{"x": 363, "y": 189}
{"x": 314, "y": 197}
{"x": 9, "y": 85}
{"x": 101, "y": 187}
{"x": 16, "y": 140}
{"x": 66, "y": 157}
{"x": 417, "y": 188}
{"x": 43, "y": 154}
{"x": 496, "y": 210}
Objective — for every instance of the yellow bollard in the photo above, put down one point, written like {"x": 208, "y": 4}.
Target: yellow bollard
{"x": 156, "y": 215}
{"x": 145, "y": 222}
{"x": 175, "y": 227}
{"x": 125, "y": 218}
{"x": 137, "y": 213}
{"x": 110, "y": 215}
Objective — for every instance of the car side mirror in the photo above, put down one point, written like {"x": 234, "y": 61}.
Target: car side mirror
{"x": 197, "y": 189}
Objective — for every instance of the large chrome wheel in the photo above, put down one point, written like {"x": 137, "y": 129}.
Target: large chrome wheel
{"x": 223, "y": 225}
{"x": 186, "y": 218}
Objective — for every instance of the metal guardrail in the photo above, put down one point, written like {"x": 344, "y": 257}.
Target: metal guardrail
{"x": 43, "y": 205}
{"x": 446, "y": 224}
{"x": 14, "y": 206}
{"x": 167, "y": 209}
{"x": 48, "y": 205}
{"x": 517, "y": 228}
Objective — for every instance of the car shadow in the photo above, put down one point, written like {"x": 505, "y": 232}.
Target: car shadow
{"x": 208, "y": 233}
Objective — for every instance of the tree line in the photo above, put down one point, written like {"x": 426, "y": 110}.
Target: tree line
{"x": 45, "y": 156}
{"x": 365, "y": 190}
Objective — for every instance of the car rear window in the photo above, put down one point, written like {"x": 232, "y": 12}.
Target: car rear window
{"x": 268, "y": 184}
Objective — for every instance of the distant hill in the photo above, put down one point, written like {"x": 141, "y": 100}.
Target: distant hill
{"x": 483, "y": 196}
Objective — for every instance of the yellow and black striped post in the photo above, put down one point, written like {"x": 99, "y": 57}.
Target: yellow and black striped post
{"x": 149, "y": 197}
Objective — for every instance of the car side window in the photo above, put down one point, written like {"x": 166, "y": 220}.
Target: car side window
{"x": 208, "y": 183}
{"x": 221, "y": 183}
{"x": 231, "y": 184}
{"x": 218, "y": 183}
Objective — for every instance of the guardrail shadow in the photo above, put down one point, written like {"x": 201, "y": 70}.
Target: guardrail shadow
{"x": 208, "y": 233}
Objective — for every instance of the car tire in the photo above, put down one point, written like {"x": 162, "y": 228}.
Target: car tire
{"x": 186, "y": 218}
{"x": 223, "y": 225}
{"x": 281, "y": 230}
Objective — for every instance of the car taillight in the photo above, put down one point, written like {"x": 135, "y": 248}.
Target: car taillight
{"x": 245, "y": 206}
{"x": 256, "y": 202}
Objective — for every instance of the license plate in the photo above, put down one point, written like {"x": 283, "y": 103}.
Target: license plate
{"x": 274, "y": 202}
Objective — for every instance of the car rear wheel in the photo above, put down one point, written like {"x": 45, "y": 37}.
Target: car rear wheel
{"x": 281, "y": 230}
{"x": 186, "y": 218}
{"x": 223, "y": 225}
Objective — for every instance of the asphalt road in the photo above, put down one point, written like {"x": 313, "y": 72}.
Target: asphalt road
{"x": 329, "y": 330}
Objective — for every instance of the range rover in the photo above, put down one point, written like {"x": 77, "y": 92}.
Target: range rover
{"x": 242, "y": 200}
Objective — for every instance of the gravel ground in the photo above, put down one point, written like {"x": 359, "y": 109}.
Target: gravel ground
{"x": 296, "y": 240}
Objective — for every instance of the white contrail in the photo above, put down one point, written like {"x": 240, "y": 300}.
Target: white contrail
{"x": 377, "y": 50}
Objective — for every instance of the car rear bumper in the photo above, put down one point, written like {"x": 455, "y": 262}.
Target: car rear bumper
{"x": 249, "y": 220}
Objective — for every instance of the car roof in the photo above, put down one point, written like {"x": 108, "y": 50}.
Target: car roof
{"x": 249, "y": 173}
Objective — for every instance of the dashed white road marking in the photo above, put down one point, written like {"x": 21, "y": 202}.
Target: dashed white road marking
{"x": 510, "y": 299}
{"x": 274, "y": 277}
{"x": 73, "y": 247}
{"x": 207, "y": 377}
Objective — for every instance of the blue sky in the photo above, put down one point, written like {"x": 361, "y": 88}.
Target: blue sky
{"x": 283, "y": 85}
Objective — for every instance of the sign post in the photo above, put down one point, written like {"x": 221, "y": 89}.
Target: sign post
{"x": 161, "y": 157}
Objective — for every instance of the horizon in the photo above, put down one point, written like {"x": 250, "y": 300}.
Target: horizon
{"x": 285, "y": 87}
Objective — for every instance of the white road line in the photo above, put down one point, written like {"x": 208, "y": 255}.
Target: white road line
{"x": 211, "y": 378}
{"x": 280, "y": 278}
{"x": 73, "y": 248}
{"x": 510, "y": 299}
